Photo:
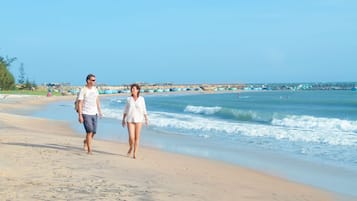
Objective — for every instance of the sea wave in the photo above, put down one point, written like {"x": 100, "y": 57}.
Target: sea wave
{"x": 316, "y": 123}
{"x": 292, "y": 128}
{"x": 229, "y": 113}
{"x": 202, "y": 109}
{"x": 188, "y": 124}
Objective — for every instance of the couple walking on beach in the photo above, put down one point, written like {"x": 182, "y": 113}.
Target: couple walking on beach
{"x": 89, "y": 109}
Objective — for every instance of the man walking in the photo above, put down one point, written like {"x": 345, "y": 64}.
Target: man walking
{"x": 88, "y": 110}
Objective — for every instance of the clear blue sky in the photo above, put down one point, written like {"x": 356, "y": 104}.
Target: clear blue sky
{"x": 181, "y": 41}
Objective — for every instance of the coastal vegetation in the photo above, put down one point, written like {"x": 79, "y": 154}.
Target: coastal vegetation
{"x": 38, "y": 92}
{"x": 7, "y": 79}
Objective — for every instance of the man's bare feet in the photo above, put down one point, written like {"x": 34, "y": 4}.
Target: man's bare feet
{"x": 85, "y": 145}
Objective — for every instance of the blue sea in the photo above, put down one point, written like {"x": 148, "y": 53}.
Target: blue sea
{"x": 305, "y": 136}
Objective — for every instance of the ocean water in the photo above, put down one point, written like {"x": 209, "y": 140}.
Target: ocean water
{"x": 306, "y": 136}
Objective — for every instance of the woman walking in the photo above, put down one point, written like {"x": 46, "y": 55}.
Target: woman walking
{"x": 133, "y": 116}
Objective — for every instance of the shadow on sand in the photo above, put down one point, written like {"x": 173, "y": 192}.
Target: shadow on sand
{"x": 59, "y": 147}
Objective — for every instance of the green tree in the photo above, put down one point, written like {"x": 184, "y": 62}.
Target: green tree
{"x": 7, "y": 80}
{"x": 21, "y": 79}
{"x": 30, "y": 85}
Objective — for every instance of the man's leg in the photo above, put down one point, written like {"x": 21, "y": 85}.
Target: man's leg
{"x": 90, "y": 127}
{"x": 88, "y": 141}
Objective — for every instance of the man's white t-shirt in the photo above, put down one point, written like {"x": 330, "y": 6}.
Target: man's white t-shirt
{"x": 89, "y": 98}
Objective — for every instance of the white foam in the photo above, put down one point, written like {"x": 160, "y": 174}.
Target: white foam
{"x": 201, "y": 109}
{"x": 112, "y": 113}
{"x": 213, "y": 126}
{"x": 315, "y": 123}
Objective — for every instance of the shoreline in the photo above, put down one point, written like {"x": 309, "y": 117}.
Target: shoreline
{"x": 29, "y": 143}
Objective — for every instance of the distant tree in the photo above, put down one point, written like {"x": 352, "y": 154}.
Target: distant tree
{"x": 21, "y": 79}
{"x": 7, "y": 80}
{"x": 30, "y": 85}
{"x": 7, "y": 61}
{"x": 27, "y": 83}
{"x": 34, "y": 85}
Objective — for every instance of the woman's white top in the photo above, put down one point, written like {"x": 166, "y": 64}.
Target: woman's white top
{"x": 135, "y": 110}
{"x": 89, "y": 97}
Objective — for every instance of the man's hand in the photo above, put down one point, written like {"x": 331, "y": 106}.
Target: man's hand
{"x": 80, "y": 118}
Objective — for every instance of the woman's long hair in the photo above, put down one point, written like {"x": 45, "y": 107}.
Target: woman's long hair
{"x": 137, "y": 87}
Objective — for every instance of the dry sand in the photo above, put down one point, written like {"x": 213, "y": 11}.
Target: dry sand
{"x": 42, "y": 159}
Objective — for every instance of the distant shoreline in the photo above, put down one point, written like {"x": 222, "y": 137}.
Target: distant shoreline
{"x": 68, "y": 89}
{"x": 212, "y": 88}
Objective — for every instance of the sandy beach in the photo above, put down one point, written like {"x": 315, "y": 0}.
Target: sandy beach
{"x": 42, "y": 159}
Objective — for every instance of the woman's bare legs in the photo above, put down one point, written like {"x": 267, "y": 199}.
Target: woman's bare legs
{"x": 131, "y": 131}
{"x": 134, "y": 130}
{"x": 137, "y": 138}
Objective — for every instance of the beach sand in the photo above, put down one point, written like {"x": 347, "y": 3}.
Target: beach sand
{"x": 42, "y": 159}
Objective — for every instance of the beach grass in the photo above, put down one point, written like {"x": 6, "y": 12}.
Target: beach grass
{"x": 37, "y": 92}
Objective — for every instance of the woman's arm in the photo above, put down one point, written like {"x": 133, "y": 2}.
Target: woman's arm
{"x": 125, "y": 112}
{"x": 123, "y": 120}
{"x": 145, "y": 112}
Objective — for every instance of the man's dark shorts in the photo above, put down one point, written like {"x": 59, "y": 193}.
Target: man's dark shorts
{"x": 90, "y": 123}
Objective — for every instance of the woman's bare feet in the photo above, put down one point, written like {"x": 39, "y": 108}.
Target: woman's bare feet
{"x": 129, "y": 152}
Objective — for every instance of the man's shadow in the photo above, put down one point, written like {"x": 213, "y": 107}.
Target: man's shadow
{"x": 60, "y": 147}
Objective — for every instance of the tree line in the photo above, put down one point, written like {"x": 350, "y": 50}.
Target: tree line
{"x": 7, "y": 79}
